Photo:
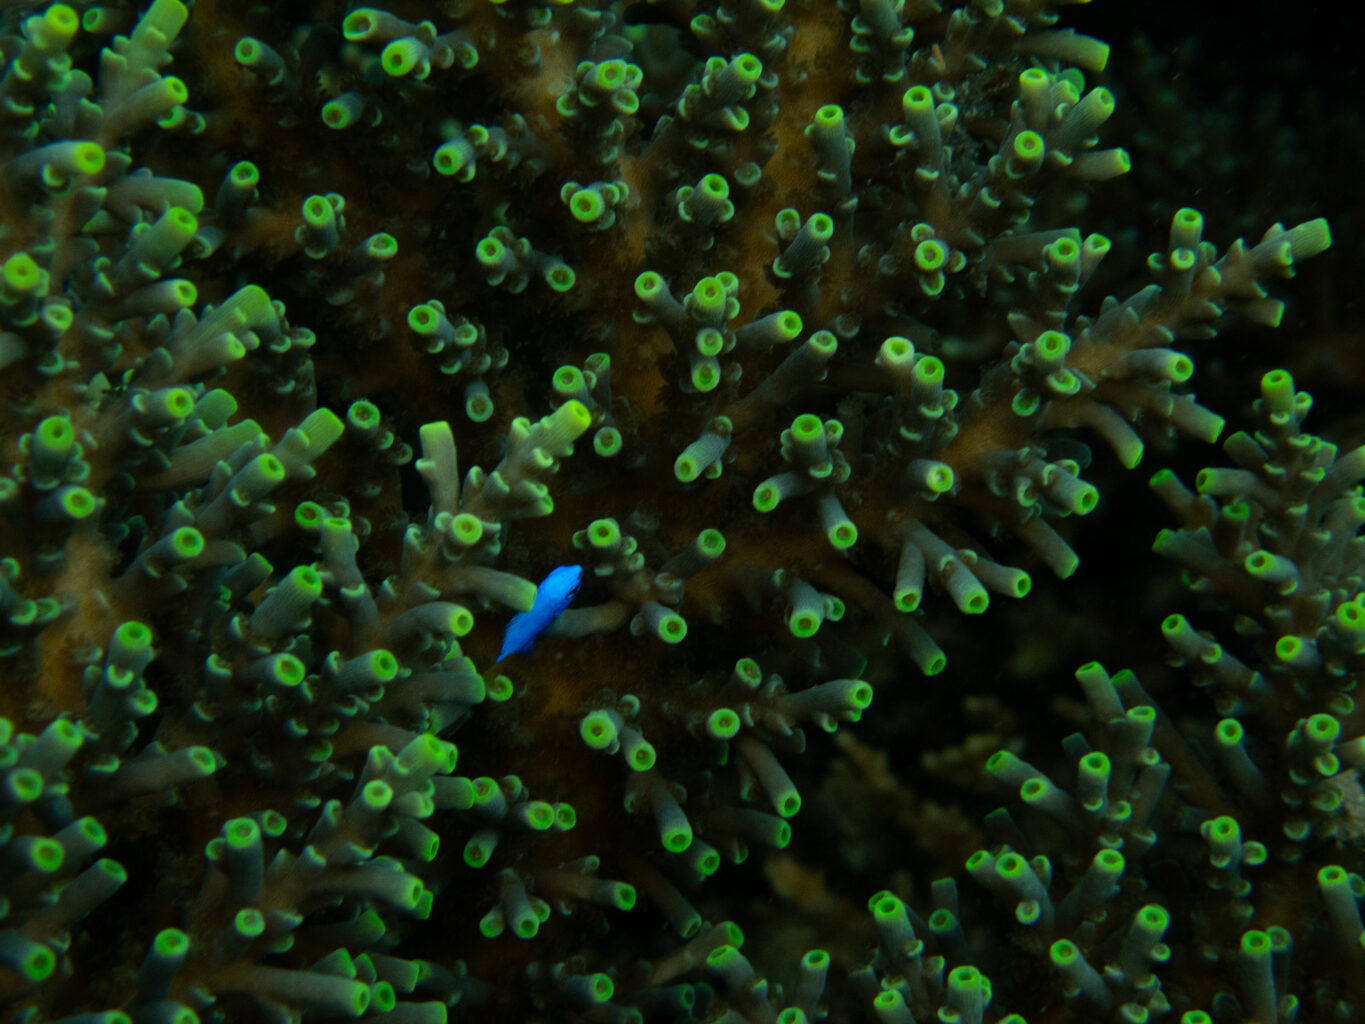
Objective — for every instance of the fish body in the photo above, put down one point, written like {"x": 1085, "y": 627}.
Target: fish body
{"x": 555, "y": 592}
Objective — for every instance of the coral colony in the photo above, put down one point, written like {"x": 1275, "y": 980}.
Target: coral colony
{"x": 779, "y": 328}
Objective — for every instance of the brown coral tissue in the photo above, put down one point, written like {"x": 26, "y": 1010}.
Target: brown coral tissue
{"x": 718, "y": 512}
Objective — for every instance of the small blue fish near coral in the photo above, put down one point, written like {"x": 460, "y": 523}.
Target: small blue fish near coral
{"x": 555, "y": 593}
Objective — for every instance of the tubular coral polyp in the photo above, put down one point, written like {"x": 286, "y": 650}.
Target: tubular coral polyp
{"x": 768, "y": 323}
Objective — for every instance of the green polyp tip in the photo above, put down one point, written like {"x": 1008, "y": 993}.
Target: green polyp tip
{"x": 598, "y": 730}
{"x": 318, "y": 212}
{"x": 597, "y": 988}
{"x": 939, "y": 479}
{"x": 171, "y": 942}
{"x": 568, "y": 380}
{"x": 309, "y": 515}
{"x": 622, "y": 895}
{"x": 821, "y": 227}
{"x": 401, "y": 56}
{"x": 931, "y": 254}
{"x": 1064, "y": 953}
{"x": 1223, "y": 827}
{"x": 381, "y": 246}
{"x": 643, "y": 756}
{"x": 709, "y": 342}
{"x": 499, "y": 689}
{"x": 830, "y": 115}
{"x": 1064, "y": 251}
{"x": 1189, "y": 219}
{"x": 1011, "y": 865}
{"x": 705, "y": 376}
{"x": 337, "y": 114}
{"x": 587, "y": 205}
{"x": 748, "y": 672}
{"x": 896, "y": 353}
{"x": 715, "y": 186}
{"x": 363, "y": 415}
{"x": 648, "y": 285}
{"x": 359, "y": 24}
{"x": 843, "y": 535}
{"x": 887, "y": 906}
{"x": 88, "y": 158}
{"x": 383, "y": 996}
{"x": 607, "y": 442}
{"x": 686, "y": 468}
{"x": 1095, "y": 763}
{"x": 382, "y": 665}
{"x": 58, "y": 317}
{"x": 1323, "y": 728}
{"x": 244, "y": 174}
{"x": 1110, "y": 860}
{"x": 722, "y": 724}
{"x": 1153, "y": 918}
{"x": 608, "y": 75}
{"x": 807, "y": 428}
{"x": 604, "y": 534}
{"x": 461, "y": 620}
{"x": 287, "y": 670}
{"x": 46, "y": 855}
{"x": 1350, "y": 616}
{"x": 1333, "y": 875}
{"x": 249, "y": 923}
{"x": 1028, "y": 145}
{"x": 478, "y": 407}
{"x": 247, "y": 50}
{"x": 490, "y": 251}
{"x": 177, "y": 403}
{"x": 560, "y": 277}
{"x": 789, "y": 326}
{"x": 1052, "y": 345}
{"x": 1084, "y": 500}
{"x": 565, "y": 817}
{"x": 539, "y": 815}
{"x": 466, "y": 528}
{"x": 750, "y": 67}
{"x": 1287, "y": 648}
{"x": 32, "y": 960}
{"x": 476, "y": 852}
{"x": 711, "y": 542}
{"x": 23, "y": 785}
{"x": 242, "y": 833}
{"x": 917, "y": 97}
{"x": 1182, "y": 259}
{"x": 709, "y": 297}
{"x": 60, "y": 18}
{"x": 77, "y": 503}
{"x": 671, "y": 628}
{"x": 929, "y": 370}
{"x": 677, "y": 838}
{"x": 134, "y": 638}
{"x": 803, "y": 623}
{"x": 55, "y": 432}
{"x": 1256, "y": 943}
{"x": 21, "y": 272}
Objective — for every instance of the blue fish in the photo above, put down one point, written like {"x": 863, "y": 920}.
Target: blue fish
{"x": 555, "y": 593}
